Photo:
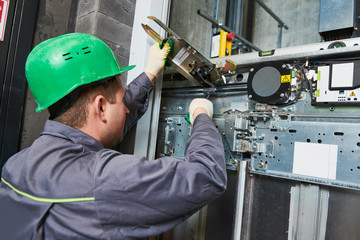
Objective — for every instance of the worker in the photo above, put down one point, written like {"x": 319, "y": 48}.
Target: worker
{"x": 70, "y": 184}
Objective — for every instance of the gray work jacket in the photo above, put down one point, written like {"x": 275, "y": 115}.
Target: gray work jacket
{"x": 68, "y": 186}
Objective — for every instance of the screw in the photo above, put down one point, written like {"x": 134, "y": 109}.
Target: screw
{"x": 261, "y": 164}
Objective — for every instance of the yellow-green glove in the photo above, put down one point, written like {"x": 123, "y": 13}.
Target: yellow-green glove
{"x": 200, "y": 103}
{"x": 156, "y": 59}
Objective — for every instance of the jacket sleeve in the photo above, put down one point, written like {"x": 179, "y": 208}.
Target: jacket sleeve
{"x": 137, "y": 99}
{"x": 138, "y": 198}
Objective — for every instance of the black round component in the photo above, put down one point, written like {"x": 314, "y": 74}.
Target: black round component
{"x": 239, "y": 77}
{"x": 337, "y": 44}
{"x": 269, "y": 83}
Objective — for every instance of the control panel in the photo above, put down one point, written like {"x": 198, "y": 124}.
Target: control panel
{"x": 295, "y": 118}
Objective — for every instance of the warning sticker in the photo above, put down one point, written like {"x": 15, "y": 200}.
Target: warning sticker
{"x": 285, "y": 78}
{"x": 180, "y": 56}
{"x": 352, "y": 94}
{"x": 4, "y": 6}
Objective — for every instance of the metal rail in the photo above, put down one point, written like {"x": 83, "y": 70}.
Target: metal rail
{"x": 280, "y": 25}
{"x": 219, "y": 25}
{"x": 263, "y": 5}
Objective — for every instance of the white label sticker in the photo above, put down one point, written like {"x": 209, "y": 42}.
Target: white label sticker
{"x": 4, "y": 6}
{"x": 180, "y": 56}
{"x": 316, "y": 160}
{"x": 215, "y": 46}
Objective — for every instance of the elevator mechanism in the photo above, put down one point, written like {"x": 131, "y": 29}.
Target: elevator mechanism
{"x": 290, "y": 126}
{"x": 188, "y": 61}
{"x": 284, "y": 117}
{"x": 280, "y": 114}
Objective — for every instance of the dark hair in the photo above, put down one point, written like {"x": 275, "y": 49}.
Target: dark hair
{"x": 72, "y": 109}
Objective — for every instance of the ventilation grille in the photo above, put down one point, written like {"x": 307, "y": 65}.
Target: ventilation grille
{"x": 68, "y": 56}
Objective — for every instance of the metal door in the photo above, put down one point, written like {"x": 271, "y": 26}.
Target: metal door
{"x": 14, "y": 48}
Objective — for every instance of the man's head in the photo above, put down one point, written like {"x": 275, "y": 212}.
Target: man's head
{"x": 67, "y": 74}
{"x": 103, "y": 112}
{"x": 73, "y": 110}
{"x": 58, "y": 66}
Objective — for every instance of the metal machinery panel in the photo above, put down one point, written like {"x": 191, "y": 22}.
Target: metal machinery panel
{"x": 262, "y": 117}
{"x": 335, "y": 15}
{"x": 338, "y": 19}
{"x": 298, "y": 137}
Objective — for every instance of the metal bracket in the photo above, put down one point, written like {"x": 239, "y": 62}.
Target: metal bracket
{"x": 186, "y": 59}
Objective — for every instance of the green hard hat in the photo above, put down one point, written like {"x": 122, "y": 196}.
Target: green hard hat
{"x": 57, "y": 66}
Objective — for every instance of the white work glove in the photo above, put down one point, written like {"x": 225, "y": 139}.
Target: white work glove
{"x": 156, "y": 59}
{"x": 200, "y": 103}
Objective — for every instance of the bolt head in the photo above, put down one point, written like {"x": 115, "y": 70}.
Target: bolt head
{"x": 261, "y": 164}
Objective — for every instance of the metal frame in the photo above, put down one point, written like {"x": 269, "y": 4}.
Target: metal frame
{"x": 14, "y": 50}
{"x": 220, "y": 25}
{"x": 307, "y": 198}
{"x": 309, "y": 51}
{"x": 146, "y": 130}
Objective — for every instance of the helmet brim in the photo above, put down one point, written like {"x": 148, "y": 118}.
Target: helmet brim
{"x": 125, "y": 69}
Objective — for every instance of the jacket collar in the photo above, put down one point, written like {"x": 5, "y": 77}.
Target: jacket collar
{"x": 60, "y": 130}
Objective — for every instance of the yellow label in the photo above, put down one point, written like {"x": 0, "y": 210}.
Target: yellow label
{"x": 352, "y": 94}
{"x": 318, "y": 93}
{"x": 285, "y": 78}
{"x": 319, "y": 75}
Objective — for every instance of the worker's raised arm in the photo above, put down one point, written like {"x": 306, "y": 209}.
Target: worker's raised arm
{"x": 146, "y": 198}
{"x": 156, "y": 61}
{"x": 138, "y": 91}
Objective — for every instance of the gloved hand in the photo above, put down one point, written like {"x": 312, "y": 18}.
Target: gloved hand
{"x": 156, "y": 59}
{"x": 200, "y": 103}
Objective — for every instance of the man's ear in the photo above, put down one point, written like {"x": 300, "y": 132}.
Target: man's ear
{"x": 99, "y": 107}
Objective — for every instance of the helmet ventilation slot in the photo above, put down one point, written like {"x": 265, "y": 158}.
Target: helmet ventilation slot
{"x": 86, "y": 51}
{"x": 67, "y": 57}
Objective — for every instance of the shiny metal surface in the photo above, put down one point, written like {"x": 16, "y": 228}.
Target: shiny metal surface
{"x": 185, "y": 58}
{"x": 259, "y": 141}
